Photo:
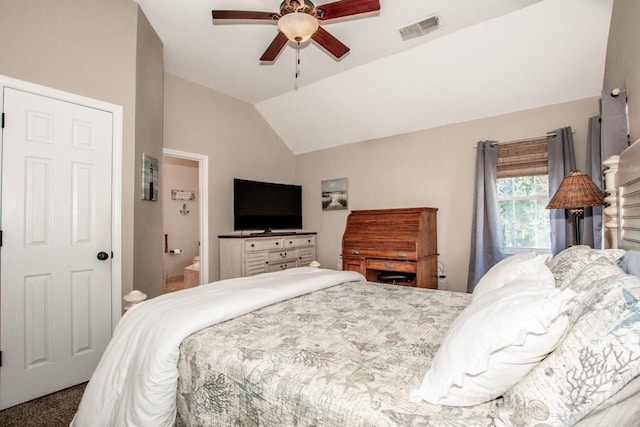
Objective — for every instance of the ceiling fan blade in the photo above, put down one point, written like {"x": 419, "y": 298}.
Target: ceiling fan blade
{"x": 274, "y": 48}
{"x": 243, "y": 14}
{"x": 347, "y": 8}
{"x": 334, "y": 46}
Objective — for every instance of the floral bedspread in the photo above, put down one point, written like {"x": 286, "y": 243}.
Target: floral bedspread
{"x": 348, "y": 355}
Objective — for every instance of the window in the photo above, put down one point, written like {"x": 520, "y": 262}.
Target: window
{"x": 523, "y": 194}
{"x": 525, "y": 221}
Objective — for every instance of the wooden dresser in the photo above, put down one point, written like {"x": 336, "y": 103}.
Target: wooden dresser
{"x": 393, "y": 240}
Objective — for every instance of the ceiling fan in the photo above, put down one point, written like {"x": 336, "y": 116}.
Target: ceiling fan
{"x": 298, "y": 21}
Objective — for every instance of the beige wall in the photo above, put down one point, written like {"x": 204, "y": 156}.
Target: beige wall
{"x": 237, "y": 140}
{"x": 623, "y": 60}
{"x": 87, "y": 47}
{"x": 433, "y": 168}
{"x": 147, "y": 237}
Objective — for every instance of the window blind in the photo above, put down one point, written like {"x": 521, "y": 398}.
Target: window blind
{"x": 526, "y": 158}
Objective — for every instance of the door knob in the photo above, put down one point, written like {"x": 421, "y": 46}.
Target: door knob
{"x": 102, "y": 256}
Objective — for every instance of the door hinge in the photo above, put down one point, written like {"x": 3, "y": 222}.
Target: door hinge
{"x": 0, "y": 238}
{"x": 0, "y": 359}
{"x": 3, "y": 120}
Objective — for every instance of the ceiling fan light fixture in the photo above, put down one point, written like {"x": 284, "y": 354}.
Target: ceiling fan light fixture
{"x": 298, "y": 26}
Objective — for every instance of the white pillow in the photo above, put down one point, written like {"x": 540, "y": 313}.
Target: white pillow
{"x": 495, "y": 342}
{"x": 521, "y": 266}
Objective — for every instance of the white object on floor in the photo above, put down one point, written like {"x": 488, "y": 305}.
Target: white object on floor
{"x": 132, "y": 298}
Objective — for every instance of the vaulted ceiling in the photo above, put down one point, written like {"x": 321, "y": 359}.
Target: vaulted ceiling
{"x": 485, "y": 59}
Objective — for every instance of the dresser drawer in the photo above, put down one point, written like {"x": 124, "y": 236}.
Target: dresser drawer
{"x": 299, "y": 241}
{"x": 368, "y": 252}
{"x": 281, "y": 266}
{"x": 263, "y": 244}
{"x": 387, "y": 265}
{"x": 283, "y": 255}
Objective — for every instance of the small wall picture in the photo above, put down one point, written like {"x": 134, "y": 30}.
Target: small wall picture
{"x": 150, "y": 174}
{"x": 334, "y": 194}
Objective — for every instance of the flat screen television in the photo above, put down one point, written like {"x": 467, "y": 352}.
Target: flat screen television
{"x": 266, "y": 206}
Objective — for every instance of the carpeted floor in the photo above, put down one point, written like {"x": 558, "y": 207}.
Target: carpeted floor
{"x": 53, "y": 410}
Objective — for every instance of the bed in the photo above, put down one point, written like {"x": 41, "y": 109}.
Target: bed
{"x": 541, "y": 341}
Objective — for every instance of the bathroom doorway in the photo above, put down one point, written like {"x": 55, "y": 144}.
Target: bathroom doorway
{"x": 185, "y": 213}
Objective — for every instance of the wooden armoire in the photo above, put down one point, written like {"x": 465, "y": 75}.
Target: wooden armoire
{"x": 381, "y": 241}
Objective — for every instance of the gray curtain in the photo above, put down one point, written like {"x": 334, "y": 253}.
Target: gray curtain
{"x": 593, "y": 216}
{"x": 561, "y": 162}
{"x": 615, "y": 132}
{"x": 486, "y": 230}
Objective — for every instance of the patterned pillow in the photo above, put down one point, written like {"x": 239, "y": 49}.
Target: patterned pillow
{"x": 599, "y": 356}
{"x": 569, "y": 263}
{"x": 587, "y": 279}
{"x": 630, "y": 262}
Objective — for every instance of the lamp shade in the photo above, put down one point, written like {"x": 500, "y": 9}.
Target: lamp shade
{"x": 298, "y": 26}
{"x": 576, "y": 192}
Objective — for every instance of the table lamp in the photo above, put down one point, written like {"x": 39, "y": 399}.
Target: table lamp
{"x": 575, "y": 193}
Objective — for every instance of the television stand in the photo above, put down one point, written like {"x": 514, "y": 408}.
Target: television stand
{"x": 255, "y": 253}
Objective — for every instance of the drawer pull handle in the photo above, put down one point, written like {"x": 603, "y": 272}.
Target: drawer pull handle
{"x": 355, "y": 252}
{"x": 389, "y": 265}
{"x": 283, "y": 255}
{"x": 402, "y": 254}
{"x": 277, "y": 243}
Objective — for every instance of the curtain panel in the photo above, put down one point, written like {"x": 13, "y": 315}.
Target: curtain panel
{"x": 486, "y": 229}
{"x": 615, "y": 129}
{"x": 593, "y": 215}
{"x": 562, "y": 161}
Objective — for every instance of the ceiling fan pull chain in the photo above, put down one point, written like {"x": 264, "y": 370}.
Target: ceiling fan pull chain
{"x": 297, "y": 63}
{"x": 298, "y": 60}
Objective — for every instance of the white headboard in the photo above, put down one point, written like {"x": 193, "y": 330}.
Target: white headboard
{"x": 623, "y": 186}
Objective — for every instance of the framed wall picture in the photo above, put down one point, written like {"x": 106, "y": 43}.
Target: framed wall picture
{"x": 150, "y": 175}
{"x": 334, "y": 194}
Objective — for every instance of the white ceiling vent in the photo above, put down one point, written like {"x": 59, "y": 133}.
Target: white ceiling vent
{"x": 421, "y": 28}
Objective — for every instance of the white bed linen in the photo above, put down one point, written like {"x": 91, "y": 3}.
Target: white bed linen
{"x": 135, "y": 381}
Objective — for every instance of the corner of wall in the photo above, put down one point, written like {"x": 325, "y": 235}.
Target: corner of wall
{"x": 147, "y": 243}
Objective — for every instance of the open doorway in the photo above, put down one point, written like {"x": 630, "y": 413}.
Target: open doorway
{"x": 185, "y": 212}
